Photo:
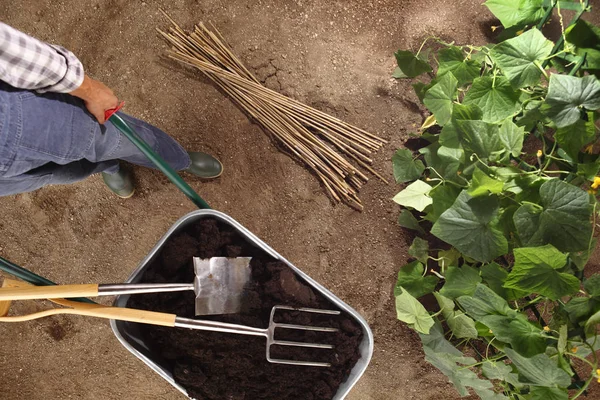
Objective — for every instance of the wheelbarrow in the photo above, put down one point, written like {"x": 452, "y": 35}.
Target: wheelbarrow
{"x": 129, "y": 334}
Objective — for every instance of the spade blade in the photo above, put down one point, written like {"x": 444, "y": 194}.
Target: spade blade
{"x": 220, "y": 284}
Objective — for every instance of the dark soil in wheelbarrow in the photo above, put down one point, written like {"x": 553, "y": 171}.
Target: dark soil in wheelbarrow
{"x": 226, "y": 366}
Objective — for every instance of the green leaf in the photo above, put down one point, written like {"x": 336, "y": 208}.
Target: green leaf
{"x": 407, "y": 220}
{"x": 447, "y": 258}
{"x": 499, "y": 370}
{"x": 481, "y": 138}
{"x": 496, "y": 98}
{"x": 460, "y": 281}
{"x": 591, "y": 326}
{"x": 443, "y": 197}
{"x": 461, "y": 325}
{"x": 415, "y": 196}
{"x": 536, "y": 271}
{"x": 452, "y": 59}
{"x": 471, "y": 225}
{"x": 563, "y": 220}
{"x": 459, "y": 376}
{"x": 516, "y": 12}
{"x": 484, "y": 302}
{"x": 406, "y": 167}
{"x": 421, "y": 88}
{"x": 588, "y": 170}
{"x": 437, "y": 342}
{"x": 573, "y": 137}
{"x": 580, "y": 258}
{"x": 466, "y": 112}
{"x": 444, "y": 167}
{"x": 539, "y": 370}
{"x": 548, "y": 393}
{"x": 495, "y": 276}
{"x": 439, "y": 98}
{"x": 419, "y": 249}
{"x": 411, "y": 65}
{"x": 580, "y": 308}
{"x": 511, "y": 137}
{"x": 519, "y": 57}
{"x": 482, "y": 184}
{"x": 592, "y": 285}
{"x": 410, "y": 311}
{"x": 398, "y": 74}
{"x": 563, "y": 332}
{"x": 586, "y": 39}
{"x": 567, "y": 94}
{"x": 411, "y": 279}
{"x": 522, "y": 335}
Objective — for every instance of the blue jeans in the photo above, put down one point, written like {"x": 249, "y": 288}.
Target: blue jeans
{"x": 51, "y": 138}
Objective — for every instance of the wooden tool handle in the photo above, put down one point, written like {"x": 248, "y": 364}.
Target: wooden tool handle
{"x": 48, "y": 292}
{"x": 99, "y": 311}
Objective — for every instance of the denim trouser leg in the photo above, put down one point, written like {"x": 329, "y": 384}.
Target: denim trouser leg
{"x": 52, "y": 139}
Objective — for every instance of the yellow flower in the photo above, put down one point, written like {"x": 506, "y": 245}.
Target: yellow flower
{"x": 574, "y": 350}
{"x": 589, "y": 148}
{"x": 539, "y": 153}
{"x": 491, "y": 331}
{"x": 596, "y": 183}
{"x": 520, "y": 32}
{"x": 494, "y": 27}
{"x": 598, "y": 380}
{"x": 598, "y": 372}
{"x": 546, "y": 329}
{"x": 592, "y": 191}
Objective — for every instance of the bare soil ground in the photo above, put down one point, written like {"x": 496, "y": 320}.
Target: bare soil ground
{"x": 334, "y": 55}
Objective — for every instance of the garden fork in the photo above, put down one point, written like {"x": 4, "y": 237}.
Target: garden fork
{"x": 174, "y": 321}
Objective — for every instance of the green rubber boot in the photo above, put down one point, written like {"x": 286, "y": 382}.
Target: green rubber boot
{"x": 204, "y": 165}
{"x": 120, "y": 183}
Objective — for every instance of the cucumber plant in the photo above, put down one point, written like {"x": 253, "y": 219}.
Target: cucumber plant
{"x": 506, "y": 180}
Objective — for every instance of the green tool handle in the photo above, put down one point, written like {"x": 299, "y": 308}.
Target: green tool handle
{"x": 161, "y": 164}
{"x": 31, "y": 277}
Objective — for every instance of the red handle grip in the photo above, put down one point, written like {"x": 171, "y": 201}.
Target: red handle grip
{"x": 109, "y": 113}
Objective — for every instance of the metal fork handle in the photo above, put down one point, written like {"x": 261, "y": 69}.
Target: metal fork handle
{"x": 216, "y": 326}
{"x": 139, "y": 288}
{"x": 88, "y": 290}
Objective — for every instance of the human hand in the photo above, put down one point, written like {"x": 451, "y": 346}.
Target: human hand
{"x": 96, "y": 96}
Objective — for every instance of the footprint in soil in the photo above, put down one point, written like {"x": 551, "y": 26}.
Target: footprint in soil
{"x": 59, "y": 328}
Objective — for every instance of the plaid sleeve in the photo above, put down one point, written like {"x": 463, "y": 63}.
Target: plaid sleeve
{"x": 28, "y": 63}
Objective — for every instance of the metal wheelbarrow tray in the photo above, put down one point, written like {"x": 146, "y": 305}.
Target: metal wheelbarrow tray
{"x": 129, "y": 333}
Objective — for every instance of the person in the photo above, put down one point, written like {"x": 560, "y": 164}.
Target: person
{"x": 52, "y": 127}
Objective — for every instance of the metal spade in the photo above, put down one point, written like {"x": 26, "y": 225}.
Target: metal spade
{"x": 219, "y": 285}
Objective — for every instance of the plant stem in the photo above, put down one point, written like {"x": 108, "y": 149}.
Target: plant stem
{"x": 537, "y": 64}
{"x": 559, "y": 43}
{"x": 547, "y": 15}
{"x": 583, "y": 389}
{"x": 578, "y": 65}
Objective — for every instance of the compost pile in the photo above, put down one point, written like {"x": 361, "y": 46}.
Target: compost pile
{"x": 226, "y": 366}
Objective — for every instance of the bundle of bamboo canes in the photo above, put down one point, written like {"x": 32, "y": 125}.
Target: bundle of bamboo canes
{"x": 314, "y": 137}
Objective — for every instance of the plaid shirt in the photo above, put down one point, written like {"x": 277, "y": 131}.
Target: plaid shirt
{"x": 27, "y": 63}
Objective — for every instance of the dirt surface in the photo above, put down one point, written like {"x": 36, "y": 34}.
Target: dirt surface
{"x": 334, "y": 55}
{"x": 207, "y": 363}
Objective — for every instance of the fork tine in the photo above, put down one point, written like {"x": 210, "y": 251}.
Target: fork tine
{"x": 306, "y": 327}
{"x": 302, "y": 363}
{"x": 274, "y": 326}
{"x": 310, "y": 310}
{"x": 302, "y": 344}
